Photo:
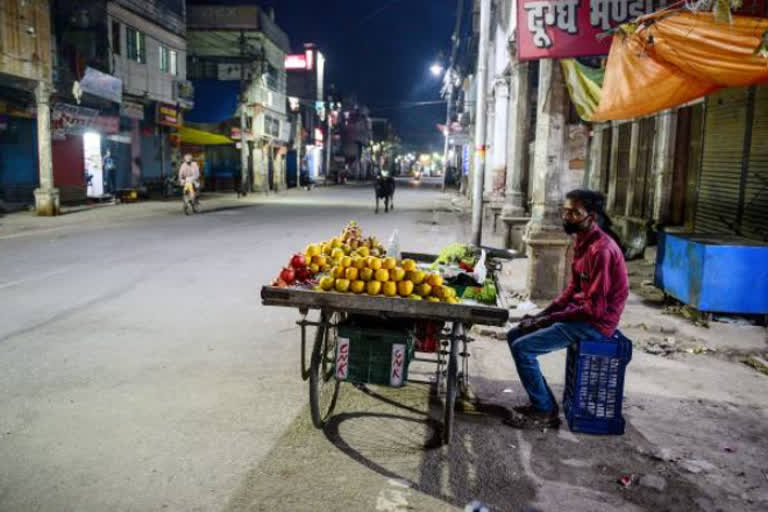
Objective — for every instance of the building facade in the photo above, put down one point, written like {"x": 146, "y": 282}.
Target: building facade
{"x": 237, "y": 55}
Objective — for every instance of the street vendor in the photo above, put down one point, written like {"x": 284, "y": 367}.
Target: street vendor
{"x": 589, "y": 308}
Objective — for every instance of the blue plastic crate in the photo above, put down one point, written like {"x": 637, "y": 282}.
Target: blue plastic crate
{"x": 594, "y": 384}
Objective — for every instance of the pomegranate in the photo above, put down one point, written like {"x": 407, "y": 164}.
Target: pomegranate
{"x": 302, "y": 274}
{"x": 288, "y": 275}
{"x": 298, "y": 260}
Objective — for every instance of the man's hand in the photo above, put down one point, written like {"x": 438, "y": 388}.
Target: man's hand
{"x": 532, "y": 323}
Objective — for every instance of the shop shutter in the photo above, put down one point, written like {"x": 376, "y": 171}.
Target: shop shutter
{"x": 717, "y": 208}
{"x": 622, "y": 168}
{"x": 641, "y": 204}
{"x": 754, "y": 222}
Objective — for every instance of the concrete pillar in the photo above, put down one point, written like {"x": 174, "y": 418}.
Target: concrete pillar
{"x": 634, "y": 153}
{"x": 547, "y": 242}
{"x": 260, "y": 168}
{"x": 500, "y": 136}
{"x": 595, "y": 176}
{"x": 46, "y": 196}
{"x": 613, "y": 167}
{"x": 513, "y": 213}
{"x": 663, "y": 164}
{"x": 490, "y": 143}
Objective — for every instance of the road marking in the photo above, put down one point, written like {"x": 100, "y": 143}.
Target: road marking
{"x": 37, "y": 277}
{"x": 396, "y": 499}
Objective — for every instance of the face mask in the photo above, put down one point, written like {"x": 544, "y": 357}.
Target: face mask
{"x": 573, "y": 227}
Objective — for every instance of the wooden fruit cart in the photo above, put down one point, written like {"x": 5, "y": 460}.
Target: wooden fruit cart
{"x": 335, "y": 307}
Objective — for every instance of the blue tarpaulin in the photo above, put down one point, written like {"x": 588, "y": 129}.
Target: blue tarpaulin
{"x": 215, "y": 101}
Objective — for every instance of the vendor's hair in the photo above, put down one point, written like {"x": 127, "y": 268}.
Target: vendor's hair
{"x": 594, "y": 202}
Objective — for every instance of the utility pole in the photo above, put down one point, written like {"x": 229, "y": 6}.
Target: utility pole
{"x": 482, "y": 85}
{"x": 328, "y": 142}
{"x": 244, "y": 153}
{"x": 455, "y": 41}
{"x": 298, "y": 148}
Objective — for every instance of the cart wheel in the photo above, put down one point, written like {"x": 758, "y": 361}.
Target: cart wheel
{"x": 451, "y": 385}
{"x": 323, "y": 386}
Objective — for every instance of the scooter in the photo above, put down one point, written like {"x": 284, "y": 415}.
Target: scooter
{"x": 190, "y": 199}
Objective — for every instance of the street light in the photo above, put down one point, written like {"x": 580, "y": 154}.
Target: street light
{"x": 436, "y": 69}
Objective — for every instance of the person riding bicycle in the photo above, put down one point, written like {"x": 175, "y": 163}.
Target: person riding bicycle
{"x": 190, "y": 171}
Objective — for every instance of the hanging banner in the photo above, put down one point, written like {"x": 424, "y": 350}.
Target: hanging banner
{"x": 555, "y": 29}
{"x": 102, "y": 85}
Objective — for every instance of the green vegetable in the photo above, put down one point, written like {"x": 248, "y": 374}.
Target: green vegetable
{"x": 485, "y": 294}
{"x": 455, "y": 253}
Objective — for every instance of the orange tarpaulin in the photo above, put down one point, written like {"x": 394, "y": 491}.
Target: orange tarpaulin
{"x": 673, "y": 58}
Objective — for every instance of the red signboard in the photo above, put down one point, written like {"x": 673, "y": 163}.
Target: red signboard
{"x": 297, "y": 61}
{"x": 569, "y": 28}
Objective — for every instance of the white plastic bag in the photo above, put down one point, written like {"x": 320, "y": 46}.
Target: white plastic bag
{"x": 481, "y": 272}
{"x": 393, "y": 247}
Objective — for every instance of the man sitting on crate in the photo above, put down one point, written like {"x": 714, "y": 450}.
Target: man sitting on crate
{"x": 589, "y": 308}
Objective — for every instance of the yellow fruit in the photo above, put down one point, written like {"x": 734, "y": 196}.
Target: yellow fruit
{"x": 409, "y": 265}
{"x": 346, "y": 248}
{"x": 346, "y": 261}
{"x": 375, "y": 252}
{"x": 405, "y": 288}
{"x": 352, "y": 273}
{"x": 338, "y": 272}
{"x": 389, "y": 289}
{"x": 438, "y": 291}
{"x": 449, "y": 292}
{"x": 313, "y": 250}
{"x": 357, "y": 286}
{"x": 423, "y": 289}
{"x": 364, "y": 251}
{"x": 453, "y": 300}
{"x": 337, "y": 254}
{"x": 342, "y": 285}
{"x": 382, "y": 275}
{"x": 319, "y": 260}
{"x": 325, "y": 269}
{"x": 389, "y": 263}
{"x": 435, "y": 280}
{"x": 366, "y": 274}
{"x": 327, "y": 283}
{"x": 397, "y": 274}
{"x": 335, "y": 243}
{"x": 415, "y": 297}
{"x": 314, "y": 268}
{"x": 417, "y": 276}
{"x": 373, "y": 287}
{"x": 327, "y": 250}
{"x": 354, "y": 244}
{"x": 374, "y": 263}
{"x": 358, "y": 262}
{"x": 433, "y": 299}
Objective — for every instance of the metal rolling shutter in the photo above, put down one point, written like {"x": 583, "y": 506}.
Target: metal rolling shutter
{"x": 622, "y": 168}
{"x": 717, "y": 209}
{"x": 755, "y": 211}
{"x": 641, "y": 203}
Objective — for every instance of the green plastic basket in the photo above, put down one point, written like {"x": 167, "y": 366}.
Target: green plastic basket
{"x": 373, "y": 356}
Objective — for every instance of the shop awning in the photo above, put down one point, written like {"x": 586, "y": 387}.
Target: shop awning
{"x": 202, "y": 138}
{"x": 670, "y": 58}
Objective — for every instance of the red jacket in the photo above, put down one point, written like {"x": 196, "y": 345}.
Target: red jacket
{"x": 599, "y": 284}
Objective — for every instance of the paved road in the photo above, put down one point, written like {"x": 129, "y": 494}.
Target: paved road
{"x": 138, "y": 370}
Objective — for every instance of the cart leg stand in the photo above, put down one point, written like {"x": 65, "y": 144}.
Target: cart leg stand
{"x": 451, "y": 382}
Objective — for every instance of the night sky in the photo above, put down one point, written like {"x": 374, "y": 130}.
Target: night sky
{"x": 380, "y": 50}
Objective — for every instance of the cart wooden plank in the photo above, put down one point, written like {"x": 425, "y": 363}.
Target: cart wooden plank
{"x": 398, "y": 307}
